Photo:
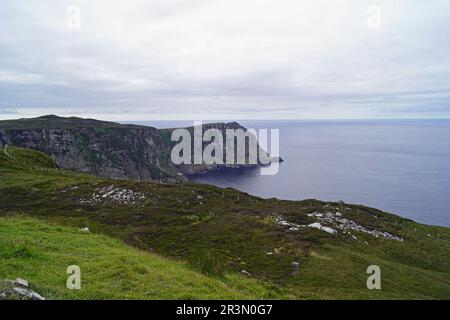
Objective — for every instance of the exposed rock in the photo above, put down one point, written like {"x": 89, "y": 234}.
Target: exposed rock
{"x": 115, "y": 194}
{"x": 17, "y": 290}
{"x": 245, "y": 272}
{"x": 327, "y": 220}
{"x": 104, "y": 148}
{"x": 317, "y": 225}
{"x": 193, "y": 169}
{"x": 21, "y": 282}
{"x": 295, "y": 267}
{"x": 337, "y": 220}
{"x": 292, "y": 226}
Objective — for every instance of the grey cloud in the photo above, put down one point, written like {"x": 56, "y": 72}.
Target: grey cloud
{"x": 222, "y": 58}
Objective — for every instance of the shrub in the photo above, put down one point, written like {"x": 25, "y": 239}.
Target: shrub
{"x": 210, "y": 263}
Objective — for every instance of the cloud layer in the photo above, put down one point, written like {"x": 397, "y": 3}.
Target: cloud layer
{"x": 225, "y": 59}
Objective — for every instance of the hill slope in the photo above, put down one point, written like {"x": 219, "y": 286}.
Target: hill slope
{"x": 220, "y": 231}
{"x": 41, "y": 253}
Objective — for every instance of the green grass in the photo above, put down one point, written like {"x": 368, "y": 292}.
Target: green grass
{"x": 41, "y": 252}
{"x": 215, "y": 238}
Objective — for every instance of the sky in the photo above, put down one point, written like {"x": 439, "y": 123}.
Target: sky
{"x": 225, "y": 59}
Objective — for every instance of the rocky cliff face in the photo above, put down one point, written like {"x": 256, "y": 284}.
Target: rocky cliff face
{"x": 202, "y": 168}
{"x": 102, "y": 148}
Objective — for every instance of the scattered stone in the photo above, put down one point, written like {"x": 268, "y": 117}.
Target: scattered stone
{"x": 292, "y": 226}
{"x": 317, "y": 225}
{"x": 245, "y": 272}
{"x": 20, "y": 291}
{"x": 86, "y": 229}
{"x": 331, "y": 222}
{"x": 269, "y": 253}
{"x": 17, "y": 289}
{"x": 295, "y": 267}
{"x": 344, "y": 224}
{"x": 328, "y": 206}
{"x": 199, "y": 197}
{"x": 117, "y": 195}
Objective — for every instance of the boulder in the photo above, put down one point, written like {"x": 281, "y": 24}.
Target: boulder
{"x": 295, "y": 267}
{"x": 18, "y": 290}
{"x": 21, "y": 282}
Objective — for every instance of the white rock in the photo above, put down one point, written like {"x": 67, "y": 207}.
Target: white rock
{"x": 21, "y": 291}
{"x": 329, "y": 230}
{"x": 323, "y": 228}
{"x": 36, "y": 296}
{"x": 295, "y": 266}
{"x": 246, "y": 272}
{"x": 21, "y": 282}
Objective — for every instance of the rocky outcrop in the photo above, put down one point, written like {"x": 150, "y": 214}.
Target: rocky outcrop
{"x": 17, "y": 290}
{"x": 331, "y": 221}
{"x": 202, "y": 168}
{"x": 103, "y": 148}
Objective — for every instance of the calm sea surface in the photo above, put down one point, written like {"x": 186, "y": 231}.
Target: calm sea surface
{"x": 398, "y": 166}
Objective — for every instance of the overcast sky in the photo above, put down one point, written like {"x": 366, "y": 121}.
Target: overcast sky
{"x": 225, "y": 59}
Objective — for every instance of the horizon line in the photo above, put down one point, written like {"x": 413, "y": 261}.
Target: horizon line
{"x": 100, "y": 117}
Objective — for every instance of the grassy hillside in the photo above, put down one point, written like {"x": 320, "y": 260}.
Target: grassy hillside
{"x": 41, "y": 253}
{"x": 221, "y": 232}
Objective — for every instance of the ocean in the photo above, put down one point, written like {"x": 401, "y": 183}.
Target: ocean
{"x": 399, "y": 166}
